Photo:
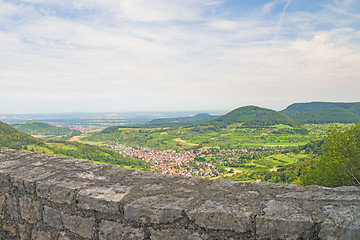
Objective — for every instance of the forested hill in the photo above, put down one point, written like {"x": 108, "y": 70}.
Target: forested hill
{"x": 315, "y": 106}
{"x": 324, "y": 112}
{"x": 37, "y": 128}
{"x": 10, "y": 137}
{"x": 14, "y": 139}
{"x": 180, "y": 121}
{"x": 250, "y": 116}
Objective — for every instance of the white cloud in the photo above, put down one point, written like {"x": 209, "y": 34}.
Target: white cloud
{"x": 140, "y": 10}
{"x": 268, "y": 7}
{"x": 281, "y": 20}
{"x": 151, "y": 55}
{"x": 7, "y": 9}
{"x": 224, "y": 24}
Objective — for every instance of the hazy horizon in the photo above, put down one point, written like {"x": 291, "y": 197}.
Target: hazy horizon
{"x": 175, "y": 112}
{"x": 181, "y": 55}
{"x": 119, "y": 112}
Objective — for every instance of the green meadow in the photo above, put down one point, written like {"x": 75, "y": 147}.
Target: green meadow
{"x": 231, "y": 137}
{"x": 270, "y": 149}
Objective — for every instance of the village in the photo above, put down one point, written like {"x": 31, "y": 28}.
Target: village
{"x": 182, "y": 163}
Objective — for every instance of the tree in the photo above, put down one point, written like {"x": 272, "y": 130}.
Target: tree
{"x": 339, "y": 164}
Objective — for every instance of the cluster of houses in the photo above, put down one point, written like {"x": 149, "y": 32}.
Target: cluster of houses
{"x": 199, "y": 163}
{"x": 170, "y": 162}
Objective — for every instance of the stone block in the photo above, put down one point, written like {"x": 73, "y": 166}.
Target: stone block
{"x": 341, "y": 222}
{"x": 24, "y": 231}
{"x": 64, "y": 236}
{"x": 102, "y": 199}
{"x": 2, "y": 201}
{"x": 284, "y": 220}
{"x": 61, "y": 194}
{"x": 59, "y": 191}
{"x": 156, "y": 209}
{"x": 30, "y": 178}
{"x": 79, "y": 225}
{"x": 4, "y": 183}
{"x": 43, "y": 189}
{"x": 52, "y": 217}
{"x": 222, "y": 216}
{"x": 10, "y": 229}
{"x": 29, "y": 209}
{"x": 12, "y": 207}
{"x": 30, "y": 186}
{"x": 40, "y": 235}
{"x": 65, "y": 192}
{"x": 176, "y": 234}
{"x": 109, "y": 230}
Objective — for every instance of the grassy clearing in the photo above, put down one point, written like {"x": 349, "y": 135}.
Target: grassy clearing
{"x": 185, "y": 142}
{"x": 38, "y": 136}
{"x": 285, "y": 159}
{"x": 283, "y": 126}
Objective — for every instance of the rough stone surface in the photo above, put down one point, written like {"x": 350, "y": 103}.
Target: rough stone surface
{"x": 52, "y": 218}
{"x": 341, "y": 222}
{"x": 79, "y": 225}
{"x": 2, "y": 200}
{"x": 12, "y": 207}
{"x": 102, "y": 199}
{"x": 41, "y": 235}
{"x": 176, "y": 234}
{"x": 49, "y": 197}
{"x": 30, "y": 210}
{"x": 155, "y": 209}
{"x": 284, "y": 220}
{"x": 222, "y": 216}
{"x": 114, "y": 231}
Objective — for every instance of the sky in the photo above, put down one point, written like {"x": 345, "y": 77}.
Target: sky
{"x": 176, "y": 55}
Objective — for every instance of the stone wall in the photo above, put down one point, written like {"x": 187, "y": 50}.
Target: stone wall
{"x": 49, "y": 197}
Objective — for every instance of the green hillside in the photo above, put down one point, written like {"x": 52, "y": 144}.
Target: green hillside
{"x": 332, "y": 115}
{"x": 46, "y": 130}
{"x": 250, "y": 116}
{"x": 315, "y": 106}
{"x": 248, "y": 127}
{"x": 12, "y": 138}
{"x": 324, "y": 112}
{"x": 180, "y": 121}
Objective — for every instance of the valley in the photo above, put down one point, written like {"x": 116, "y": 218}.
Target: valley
{"x": 247, "y": 144}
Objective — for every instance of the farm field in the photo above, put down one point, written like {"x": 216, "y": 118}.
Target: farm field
{"x": 234, "y": 151}
{"x": 189, "y": 138}
{"x": 247, "y": 144}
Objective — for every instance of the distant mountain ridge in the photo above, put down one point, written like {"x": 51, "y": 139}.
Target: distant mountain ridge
{"x": 324, "y": 112}
{"x": 314, "y": 106}
{"x": 293, "y": 115}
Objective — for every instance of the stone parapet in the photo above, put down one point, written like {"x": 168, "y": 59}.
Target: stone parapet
{"x": 50, "y": 197}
